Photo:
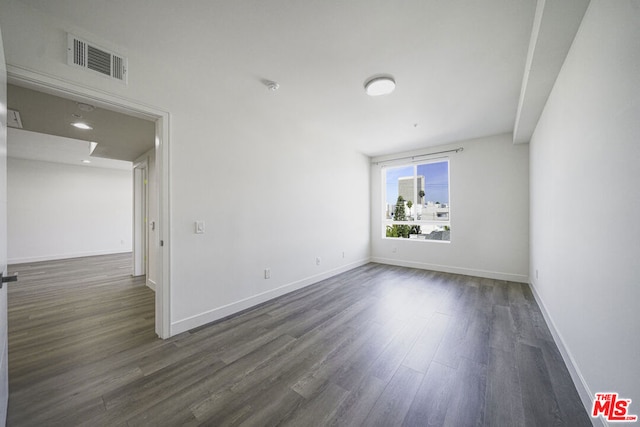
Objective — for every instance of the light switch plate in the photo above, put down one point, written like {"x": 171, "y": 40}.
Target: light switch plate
{"x": 199, "y": 227}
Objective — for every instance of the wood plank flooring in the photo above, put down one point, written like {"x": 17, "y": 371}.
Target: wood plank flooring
{"x": 376, "y": 346}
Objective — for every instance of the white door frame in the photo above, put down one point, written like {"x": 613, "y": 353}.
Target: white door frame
{"x": 140, "y": 218}
{"x": 56, "y": 86}
{"x": 4, "y": 342}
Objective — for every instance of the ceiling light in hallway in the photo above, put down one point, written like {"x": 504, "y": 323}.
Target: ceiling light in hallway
{"x": 81, "y": 125}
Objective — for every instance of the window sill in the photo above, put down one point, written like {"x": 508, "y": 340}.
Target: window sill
{"x": 415, "y": 239}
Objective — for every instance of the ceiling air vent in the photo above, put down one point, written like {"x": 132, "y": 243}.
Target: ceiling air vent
{"x": 85, "y": 54}
{"x": 13, "y": 119}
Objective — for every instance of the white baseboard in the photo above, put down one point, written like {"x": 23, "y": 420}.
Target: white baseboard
{"x": 238, "y": 306}
{"x": 586, "y": 396}
{"x": 151, "y": 284}
{"x": 521, "y": 278}
{"x": 55, "y": 257}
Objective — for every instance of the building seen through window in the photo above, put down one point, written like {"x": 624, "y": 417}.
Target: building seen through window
{"x": 416, "y": 202}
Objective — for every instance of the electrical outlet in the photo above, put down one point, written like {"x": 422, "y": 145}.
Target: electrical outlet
{"x": 318, "y": 260}
{"x": 267, "y": 273}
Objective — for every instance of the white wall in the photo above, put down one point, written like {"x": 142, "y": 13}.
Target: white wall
{"x": 273, "y": 193}
{"x": 61, "y": 211}
{"x": 585, "y": 202}
{"x": 263, "y": 207}
{"x": 489, "y": 198}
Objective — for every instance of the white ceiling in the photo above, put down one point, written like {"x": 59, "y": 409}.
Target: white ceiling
{"x": 119, "y": 136}
{"x": 22, "y": 144}
{"x": 458, "y": 64}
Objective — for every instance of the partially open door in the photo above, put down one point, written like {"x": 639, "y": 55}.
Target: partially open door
{"x": 4, "y": 377}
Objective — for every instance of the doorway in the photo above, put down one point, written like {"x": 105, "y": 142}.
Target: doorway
{"x": 157, "y": 247}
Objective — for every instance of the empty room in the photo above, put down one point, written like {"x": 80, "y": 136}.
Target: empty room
{"x": 361, "y": 213}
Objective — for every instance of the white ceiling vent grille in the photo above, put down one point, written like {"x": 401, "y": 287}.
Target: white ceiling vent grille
{"x": 85, "y": 54}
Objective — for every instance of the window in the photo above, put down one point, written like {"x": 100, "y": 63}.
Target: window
{"x": 416, "y": 201}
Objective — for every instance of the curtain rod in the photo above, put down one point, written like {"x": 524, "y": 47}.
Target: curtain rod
{"x": 455, "y": 150}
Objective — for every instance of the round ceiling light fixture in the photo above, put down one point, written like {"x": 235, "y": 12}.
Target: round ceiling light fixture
{"x": 380, "y": 85}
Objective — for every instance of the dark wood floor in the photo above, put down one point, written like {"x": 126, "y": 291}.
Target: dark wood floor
{"x": 376, "y": 346}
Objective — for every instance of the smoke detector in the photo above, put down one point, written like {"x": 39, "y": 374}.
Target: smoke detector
{"x": 85, "y": 107}
{"x": 271, "y": 85}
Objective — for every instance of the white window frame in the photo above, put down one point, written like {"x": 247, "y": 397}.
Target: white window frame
{"x": 419, "y": 222}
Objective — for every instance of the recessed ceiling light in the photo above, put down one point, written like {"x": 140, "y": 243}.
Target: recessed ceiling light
{"x": 381, "y": 85}
{"x": 86, "y": 161}
{"x": 81, "y": 125}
